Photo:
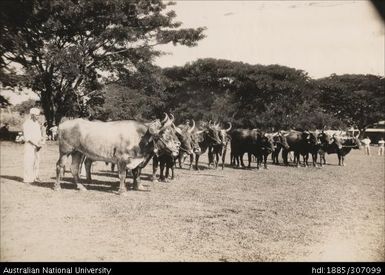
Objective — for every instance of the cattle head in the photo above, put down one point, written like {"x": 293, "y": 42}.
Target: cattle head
{"x": 184, "y": 136}
{"x": 267, "y": 142}
{"x": 324, "y": 139}
{"x": 164, "y": 136}
{"x": 224, "y": 136}
{"x": 310, "y": 138}
{"x": 210, "y": 134}
{"x": 194, "y": 139}
{"x": 282, "y": 140}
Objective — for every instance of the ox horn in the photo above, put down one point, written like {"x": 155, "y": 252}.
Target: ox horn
{"x": 165, "y": 118}
{"x": 177, "y": 129}
{"x": 172, "y": 117}
{"x": 231, "y": 125}
{"x": 192, "y": 127}
{"x": 167, "y": 123}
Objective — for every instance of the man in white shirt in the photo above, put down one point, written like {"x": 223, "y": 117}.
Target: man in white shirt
{"x": 53, "y": 131}
{"x": 32, "y": 146}
{"x": 366, "y": 142}
{"x": 381, "y": 147}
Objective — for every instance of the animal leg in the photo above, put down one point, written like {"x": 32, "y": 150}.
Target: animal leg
{"x": 196, "y": 162}
{"x": 191, "y": 161}
{"x": 122, "y": 177}
{"x": 77, "y": 158}
{"x": 60, "y": 170}
{"x": 87, "y": 165}
{"x": 265, "y": 161}
{"x": 155, "y": 163}
{"x": 137, "y": 181}
{"x": 162, "y": 177}
{"x": 296, "y": 159}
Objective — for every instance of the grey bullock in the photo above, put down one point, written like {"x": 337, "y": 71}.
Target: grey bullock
{"x": 219, "y": 150}
{"x": 188, "y": 146}
{"x": 129, "y": 144}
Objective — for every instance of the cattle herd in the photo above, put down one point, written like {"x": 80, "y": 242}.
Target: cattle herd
{"x": 131, "y": 145}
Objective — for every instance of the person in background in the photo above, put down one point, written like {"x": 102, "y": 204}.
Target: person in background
{"x": 32, "y": 146}
{"x": 381, "y": 147}
{"x": 44, "y": 131}
{"x": 366, "y": 142}
{"x": 53, "y": 131}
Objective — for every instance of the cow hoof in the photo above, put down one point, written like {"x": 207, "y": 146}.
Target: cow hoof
{"x": 266, "y": 168}
{"x": 140, "y": 188}
{"x": 123, "y": 193}
{"x": 82, "y": 188}
{"x": 57, "y": 188}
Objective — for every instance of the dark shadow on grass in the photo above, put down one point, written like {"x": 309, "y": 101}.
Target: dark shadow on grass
{"x": 14, "y": 178}
{"x": 106, "y": 174}
{"x": 101, "y": 185}
{"x": 43, "y": 184}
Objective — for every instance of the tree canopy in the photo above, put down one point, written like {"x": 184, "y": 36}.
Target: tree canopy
{"x": 268, "y": 97}
{"x": 358, "y": 100}
{"x": 68, "y": 49}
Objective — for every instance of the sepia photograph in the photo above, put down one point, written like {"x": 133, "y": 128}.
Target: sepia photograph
{"x": 191, "y": 131}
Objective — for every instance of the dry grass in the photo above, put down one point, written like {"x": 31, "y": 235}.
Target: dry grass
{"x": 281, "y": 214}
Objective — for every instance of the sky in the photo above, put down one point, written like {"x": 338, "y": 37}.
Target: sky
{"x": 319, "y": 37}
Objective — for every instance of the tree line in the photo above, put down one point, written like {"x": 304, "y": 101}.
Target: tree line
{"x": 250, "y": 96}
{"x": 95, "y": 59}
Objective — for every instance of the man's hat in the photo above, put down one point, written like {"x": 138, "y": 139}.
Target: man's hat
{"x": 34, "y": 111}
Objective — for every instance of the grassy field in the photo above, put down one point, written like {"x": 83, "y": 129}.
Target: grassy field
{"x": 280, "y": 214}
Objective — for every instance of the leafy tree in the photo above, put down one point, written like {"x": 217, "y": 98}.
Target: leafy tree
{"x": 358, "y": 100}
{"x": 123, "y": 103}
{"x": 25, "y": 106}
{"x": 69, "y": 49}
{"x": 4, "y": 102}
{"x": 250, "y": 96}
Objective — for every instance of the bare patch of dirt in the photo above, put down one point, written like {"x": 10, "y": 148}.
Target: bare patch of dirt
{"x": 280, "y": 214}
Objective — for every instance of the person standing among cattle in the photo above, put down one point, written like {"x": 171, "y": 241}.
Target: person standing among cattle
{"x": 53, "y": 132}
{"x": 381, "y": 147}
{"x": 366, "y": 142}
{"x": 32, "y": 146}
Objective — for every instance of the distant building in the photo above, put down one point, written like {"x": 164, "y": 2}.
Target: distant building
{"x": 375, "y": 131}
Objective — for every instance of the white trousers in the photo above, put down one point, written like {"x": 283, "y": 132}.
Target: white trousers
{"x": 31, "y": 162}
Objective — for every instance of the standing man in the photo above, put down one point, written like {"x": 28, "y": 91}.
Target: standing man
{"x": 381, "y": 147}
{"x": 53, "y": 131}
{"x": 32, "y": 146}
{"x": 366, "y": 142}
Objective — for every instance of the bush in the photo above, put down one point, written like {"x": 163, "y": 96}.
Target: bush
{"x": 14, "y": 120}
